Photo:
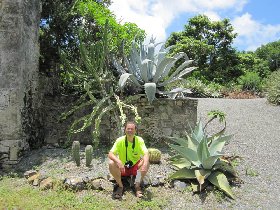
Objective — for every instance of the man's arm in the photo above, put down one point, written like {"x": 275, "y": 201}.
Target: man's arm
{"x": 114, "y": 158}
{"x": 145, "y": 162}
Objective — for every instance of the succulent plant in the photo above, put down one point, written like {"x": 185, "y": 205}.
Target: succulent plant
{"x": 149, "y": 71}
{"x": 154, "y": 155}
{"x": 89, "y": 152}
{"x": 199, "y": 157}
{"x": 76, "y": 152}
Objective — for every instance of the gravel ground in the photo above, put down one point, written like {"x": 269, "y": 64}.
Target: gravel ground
{"x": 256, "y": 128}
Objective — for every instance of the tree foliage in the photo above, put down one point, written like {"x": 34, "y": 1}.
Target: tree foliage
{"x": 270, "y": 53}
{"x": 64, "y": 22}
{"x": 209, "y": 43}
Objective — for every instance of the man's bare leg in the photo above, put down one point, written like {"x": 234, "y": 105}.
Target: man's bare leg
{"x": 116, "y": 173}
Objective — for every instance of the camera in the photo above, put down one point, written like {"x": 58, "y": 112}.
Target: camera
{"x": 128, "y": 164}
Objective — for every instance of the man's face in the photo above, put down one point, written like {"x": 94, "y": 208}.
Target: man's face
{"x": 130, "y": 130}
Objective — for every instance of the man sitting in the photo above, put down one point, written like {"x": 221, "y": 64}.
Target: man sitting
{"x": 129, "y": 156}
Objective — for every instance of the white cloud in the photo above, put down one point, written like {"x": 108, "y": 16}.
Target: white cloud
{"x": 252, "y": 33}
{"x": 155, "y": 16}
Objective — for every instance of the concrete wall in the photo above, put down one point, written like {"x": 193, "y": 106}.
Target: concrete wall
{"x": 19, "y": 54}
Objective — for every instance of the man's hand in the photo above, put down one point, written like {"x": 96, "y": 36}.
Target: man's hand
{"x": 120, "y": 165}
{"x": 144, "y": 167}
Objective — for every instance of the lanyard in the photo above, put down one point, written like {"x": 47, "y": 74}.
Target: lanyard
{"x": 126, "y": 145}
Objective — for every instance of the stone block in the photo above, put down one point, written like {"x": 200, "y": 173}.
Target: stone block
{"x": 9, "y": 22}
{"x": 14, "y": 151}
{"x": 10, "y": 7}
{"x": 4, "y": 99}
{"x": 166, "y": 131}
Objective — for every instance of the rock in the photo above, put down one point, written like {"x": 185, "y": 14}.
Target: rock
{"x": 101, "y": 184}
{"x": 33, "y": 177}
{"x": 29, "y": 173}
{"x": 36, "y": 182}
{"x": 95, "y": 184}
{"x": 46, "y": 183}
{"x": 75, "y": 183}
{"x": 178, "y": 185}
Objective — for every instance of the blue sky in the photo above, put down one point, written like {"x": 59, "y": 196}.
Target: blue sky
{"x": 257, "y": 22}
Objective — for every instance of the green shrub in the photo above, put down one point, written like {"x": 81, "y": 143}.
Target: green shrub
{"x": 250, "y": 81}
{"x": 200, "y": 89}
{"x": 199, "y": 158}
{"x": 272, "y": 88}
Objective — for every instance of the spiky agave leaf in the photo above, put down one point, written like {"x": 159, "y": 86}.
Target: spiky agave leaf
{"x": 210, "y": 161}
{"x": 198, "y": 132}
{"x": 122, "y": 81}
{"x": 183, "y": 173}
{"x": 225, "y": 167}
{"x": 220, "y": 180}
{"x": 192, "y": 143}
{"x": 161, "y": 67}
{"x": 181, "y": 163}
{"x": 144, "y": 70}
{"x": 187, "y": 153}
{"x": 150, "y": 90}
{"x": 218, "y": 143}
{"x": 179, "y": 140}
{"x": 202, "y": 150}
{"x": 201, "y": 175}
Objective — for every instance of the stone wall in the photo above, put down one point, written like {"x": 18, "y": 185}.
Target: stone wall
{"x": 19, "y": 53}
{"x": 164, "y": 117}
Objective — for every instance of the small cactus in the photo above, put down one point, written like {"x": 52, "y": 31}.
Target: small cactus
{"x": 88, "y": 151}
{"x": 154, "y": 155}
{"x": 76, "y": 152}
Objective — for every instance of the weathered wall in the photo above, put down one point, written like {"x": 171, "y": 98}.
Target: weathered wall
{"x": 164, "y": 117}
{"x": 19, "y": 53}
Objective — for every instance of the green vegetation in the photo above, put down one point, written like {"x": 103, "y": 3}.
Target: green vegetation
{"x": 200, "y": 159}
{"x": 16, "y": 193}
{"x": 251, "y": 172}
{"x": 209, "y": 44}
{"x": 145, "y": 68}
{"x": 272, "y": 87}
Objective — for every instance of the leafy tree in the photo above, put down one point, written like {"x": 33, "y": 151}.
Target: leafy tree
{"x": 250, "y": 62}
{"x": 271, "y": 53}
{"x": 209, "y": 43}
{"x": 64, "y": 22}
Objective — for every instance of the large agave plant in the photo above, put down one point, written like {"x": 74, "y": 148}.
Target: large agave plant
{"x": 200, "y": 160}
{"x": 150, "y": 71}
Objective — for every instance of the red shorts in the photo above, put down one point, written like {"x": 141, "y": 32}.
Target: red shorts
{"x": 131, "y": 171}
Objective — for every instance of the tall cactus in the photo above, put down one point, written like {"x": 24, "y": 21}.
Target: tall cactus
{"x": 88, "y": 151}
{"x": 76, "y": 152}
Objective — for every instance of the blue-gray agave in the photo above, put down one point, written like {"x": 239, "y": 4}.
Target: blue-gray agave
{"x": 199, "y": 157}
{"x": 149, "y": 70}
